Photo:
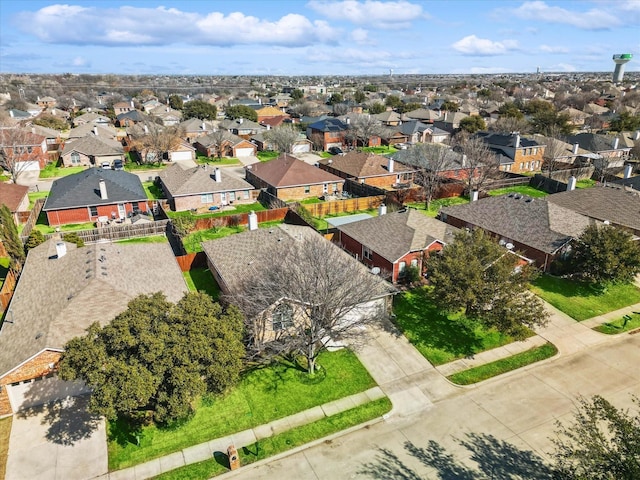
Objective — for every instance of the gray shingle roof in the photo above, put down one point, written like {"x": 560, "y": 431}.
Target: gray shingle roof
{"x": 247, "y": 254}
{"x": 181, "y": 181}
{"x": 91, "y": 145}
{"x": 56, "y": 299}
{"x": 619, "y": 206}
{"x": 82, "y": 189}
{"x": 395, "y": 234}
{"x": 595, "y": 142}
{"x": 537, "y": 222}
{"x": 328, "y": 125}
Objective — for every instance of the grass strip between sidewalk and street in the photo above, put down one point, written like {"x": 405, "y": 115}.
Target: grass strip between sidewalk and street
{"x": 263, "y": 395}
{"x": 282, "y": 442}
{"x": 5, "y": 433}
{"x": 620, "y": 325}
{"x": 519, "y": 360}
{"x": 580, "y": 301}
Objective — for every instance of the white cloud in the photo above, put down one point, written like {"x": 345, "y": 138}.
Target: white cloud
{"x": 80, "y": 62}
{"x": 553, "y": 49}
{"x": 370, "y": 12}
{"x": 594, "y": 19}
{"x": 133, "y": 26}
{"x": 361, "y": 37}
{"x": 472, "y": 45}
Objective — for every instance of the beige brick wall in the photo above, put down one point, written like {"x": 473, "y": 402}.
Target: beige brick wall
{"x": 300, "y": 193}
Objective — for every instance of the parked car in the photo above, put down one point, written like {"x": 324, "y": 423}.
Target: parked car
{"x": 335, "y": 151}
{"x": 118, "y": 165}
{"x": 105, "y": 165}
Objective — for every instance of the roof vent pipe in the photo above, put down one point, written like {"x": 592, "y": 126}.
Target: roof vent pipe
{"x": 571, "y": 184}
{"x": 628, "y": 169}
{"x": 575, "y": 148}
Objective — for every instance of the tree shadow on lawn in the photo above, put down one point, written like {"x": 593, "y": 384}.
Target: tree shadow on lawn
{"x": 495, "y": 459}
{"x": 425, "y": 326}
{"x": 567, "y": 288}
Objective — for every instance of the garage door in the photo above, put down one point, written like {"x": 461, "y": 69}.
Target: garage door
{"x": 37, "y": 392}
{"x": 176, "y": 156}
{"x": 244, "y": 152}
{"x": 303, "y": 148}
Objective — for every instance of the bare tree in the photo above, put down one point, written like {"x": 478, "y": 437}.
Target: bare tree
{"x": 510, "y": 124}
{"x": 155, "y": 141}
{"x": 429, "y": 159}
{"x": 551, "y": 158}
{"x": 219, "y": 138}
{"x": 282, "y": 137}
{"x": 479, "y": 163}
{"x": 310, "y": 295}
{"x": 19, "y": 147}
{"x": 363, "y": 127}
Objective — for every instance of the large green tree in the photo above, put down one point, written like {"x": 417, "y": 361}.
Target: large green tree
{"x": 625, "y": 122}
{"x": 10, "y": 238}
{"x": 476, "y": 275}
{"x": 602, "y": 443}
{"x": 157, "y": 357}
{"x": 605, "y": 254}
{"x": 175, "y": 102}
{"x": 473, "y": 123}
{"x": 199, "y": 109}
{"x": 241, "y": 111}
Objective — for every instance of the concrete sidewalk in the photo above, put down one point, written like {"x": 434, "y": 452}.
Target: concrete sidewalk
{"x": 206, "y": 450}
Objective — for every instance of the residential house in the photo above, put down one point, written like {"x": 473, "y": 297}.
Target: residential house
{"x": 15, "y": 197}
{"x": 242, "y": 127}
{"x": 288, "y": 178}
{"x": 608, "y": 147}
{"x": 418, "y": 132}
{"x": 93, "y": 193}
{"x": 394, "y": 241}
{"x": 91, "y": 151}
{"x": 453, "y": 167}
{"x": 268, "y": 112}
{"x": 388, "y": 118}
{"x": 19, "y": 144}
{"x": 370, "y": 169}
{"x": 435, "y": 135}
{"x": 235, "y": 258}
{"x": 450, "y": 121}
{"x": 62, "y": 291}
{"x": 519, "y": 154}
{"x": 92, "y": 118}
{"x": 46, "y": 102}
{"x": 224, "y": 144}
{"x": 327, "y": 133}
{"x": 194, "y": 128}
{"x": 301, "y": 145}
{"x": 123, "y": 107}
{"x": 537, "y": 228}
{"x": 425, "y": 115}
{"x": 167, "y": 115}
{"x": 613, "y": 204}
{"x": 200, "y": 187}
{"x": 53, "y": 138}
{"x": 182, "y": 151}
{"x": 130, "y": 118}
{"x": 103, "y": 131}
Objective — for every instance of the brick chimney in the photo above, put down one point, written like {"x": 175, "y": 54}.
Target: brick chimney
{"x": 103, "y": 189}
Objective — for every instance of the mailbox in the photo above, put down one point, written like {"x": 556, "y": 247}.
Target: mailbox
{"x": 234, "y": 460}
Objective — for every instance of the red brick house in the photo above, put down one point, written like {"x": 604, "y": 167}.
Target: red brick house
{"x": 369, "y": 168}
{"x": 394, "y": 241}
{"x": 288, "y": 178}
{"x": 230, "y": 146}
{"x": 94, "y": 193}
{"x": 62, "y": 290}
{"x": 327, "y": 133}
{"x": 22, "y": 145}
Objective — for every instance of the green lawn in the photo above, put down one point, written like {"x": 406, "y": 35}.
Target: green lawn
{"x": 33, "y": 196}
{"x": 482, "y": 372}
{"x": 435, "y": 205}
{"x": 282, "y": 442}
{"x": 379, "y": 150}
{"x": 51, "y": 171}
{"x": 213, "y": 161}
{"x": 201, "y": 279}
{"x": 262, "y": 396}
{"x": 308, "y": 201}
{"x": 521, "y": 189}
{"x": 267, "y": 155}
{"x": 579, "y": 301}
{"x": 192, "y": 241}
{"x": 439, "y": 337}
{"x": 5, "y": 432}
{"x": 238, "y": 208}
{"x": 585, "y": 183}
{"x": 152, "y": 191}
{"x": 149, "y": 239}
{"x": 620, "y": 325}
{"x": 132, "y": 166}
{"x": 43, "y": 226}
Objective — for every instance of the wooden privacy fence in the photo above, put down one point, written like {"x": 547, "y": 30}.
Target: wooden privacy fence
{"x": 32, "y": 219}
{"x": 6, "y": 292}
{"x": 339, "y": 206}
{"x": 119, "y": 232}
{"x": 233, "y": 219}
{"x": 191, "y": 260}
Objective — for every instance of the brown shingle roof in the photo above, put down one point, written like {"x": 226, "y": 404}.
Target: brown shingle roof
{"x": 56, "y": 299}
{"x": 288, "y": 171}
{"x": 364, "y": 164}
{"x": 12, "y": 195}
{"x": 537, "y": 222}
{"x": 395, "y": 234}
{"x": 618, "y": 205}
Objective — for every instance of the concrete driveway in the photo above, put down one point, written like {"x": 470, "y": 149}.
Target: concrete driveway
{"x": 60, "y": 440}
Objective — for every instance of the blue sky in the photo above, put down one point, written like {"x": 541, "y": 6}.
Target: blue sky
{"x": 316, "y": 37}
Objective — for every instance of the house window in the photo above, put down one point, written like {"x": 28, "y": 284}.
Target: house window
{"x": 282, "y": 317}
{"x": 75, "y": 158}
{"x": 414, "y": 262}
{"x": 366, "y": 253}
{"x": 93, "y": 211}
{"x": 246, "y": 194}
{"x": 232, "y": 196}
{"x": 206, "y": 198}
{"x": 29, "y": 150}
{"x": 307, "y": 189}
{"x": 402, "y": 268}
{"x": 325, "y": 188}
{"x": 335, "y": 187}
{"x": 51, "y": 141}
{"x": 507, "y": 167}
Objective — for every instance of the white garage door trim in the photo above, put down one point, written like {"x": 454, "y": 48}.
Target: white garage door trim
{"x": 176, "y": 156}
{"x": 244, "y": 152}
{"x": 45, "y": 390}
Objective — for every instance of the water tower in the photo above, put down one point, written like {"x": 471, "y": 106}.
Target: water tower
{"x": 620, "y": 59}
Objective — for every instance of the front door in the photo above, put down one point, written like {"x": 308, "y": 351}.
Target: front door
{"x": 122, "y": 212}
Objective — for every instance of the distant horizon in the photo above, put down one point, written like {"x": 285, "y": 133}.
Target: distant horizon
{"x": 317, "y": 37}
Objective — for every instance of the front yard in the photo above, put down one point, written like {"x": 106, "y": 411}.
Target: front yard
{"x": 262, "y": 396}
{"x": 581, "y": 302}
{"x": 439, "y": 337}
{"x": 51, "y": 171}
